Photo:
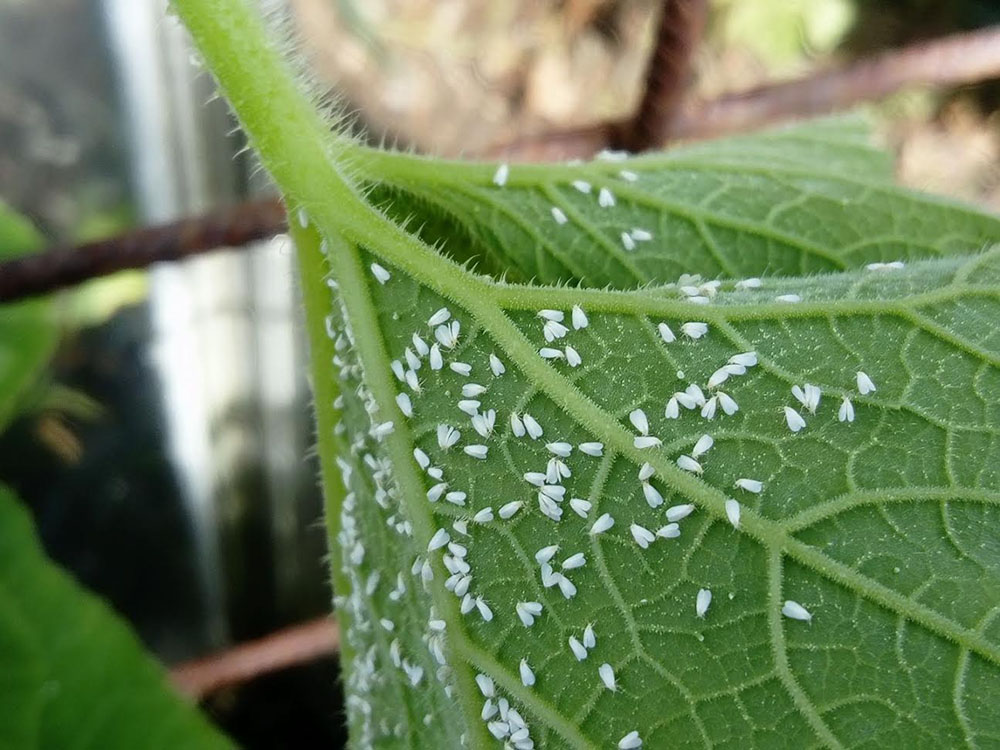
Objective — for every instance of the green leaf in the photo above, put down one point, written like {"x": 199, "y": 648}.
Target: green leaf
{"x": 27, "y": 330}
{"x": 74, "y": 675}
{"x": 880, "y": 531}
{"x": 882, "y": 528}
{"x": 811, "y": 198}
{"x": 22, "y": 674}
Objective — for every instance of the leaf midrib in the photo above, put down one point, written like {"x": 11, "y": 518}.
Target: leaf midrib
{"x": 527, "y": 297}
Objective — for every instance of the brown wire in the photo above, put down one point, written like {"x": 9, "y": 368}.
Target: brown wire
{"x": 60, "y": 267}
{"x": 682, "y": 24}
{"x": 299, "y": 644}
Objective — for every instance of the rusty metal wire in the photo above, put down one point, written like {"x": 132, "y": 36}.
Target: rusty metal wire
{"x": 60, "y": 267}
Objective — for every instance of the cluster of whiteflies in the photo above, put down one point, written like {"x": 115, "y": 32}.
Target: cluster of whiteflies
{"x": 434, "y": 348}
{"x": 809, "y": 397}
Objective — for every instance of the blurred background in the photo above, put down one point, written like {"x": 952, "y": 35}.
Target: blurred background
{"x": 166, "y": 455}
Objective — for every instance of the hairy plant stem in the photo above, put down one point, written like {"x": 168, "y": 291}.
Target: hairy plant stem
{"x": 308, "y": 163}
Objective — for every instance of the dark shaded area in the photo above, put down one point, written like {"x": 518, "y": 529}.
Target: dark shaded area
{"x": 882, "y": 24}
{"x": 894, "y": 23}
{"x": 114, "y": 517}
{"x": 103, "y": 492}
{"x": 109, "y": 509}
{"x": 442, "y": 229}
{"x": 302, "y": 709}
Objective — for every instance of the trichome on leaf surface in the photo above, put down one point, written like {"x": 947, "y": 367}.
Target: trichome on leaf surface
{"x": 691, "y": 449}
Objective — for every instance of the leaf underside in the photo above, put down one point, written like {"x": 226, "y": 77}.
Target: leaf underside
{"x": 810, "y": 199}
{"x": 883, "y": 529}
